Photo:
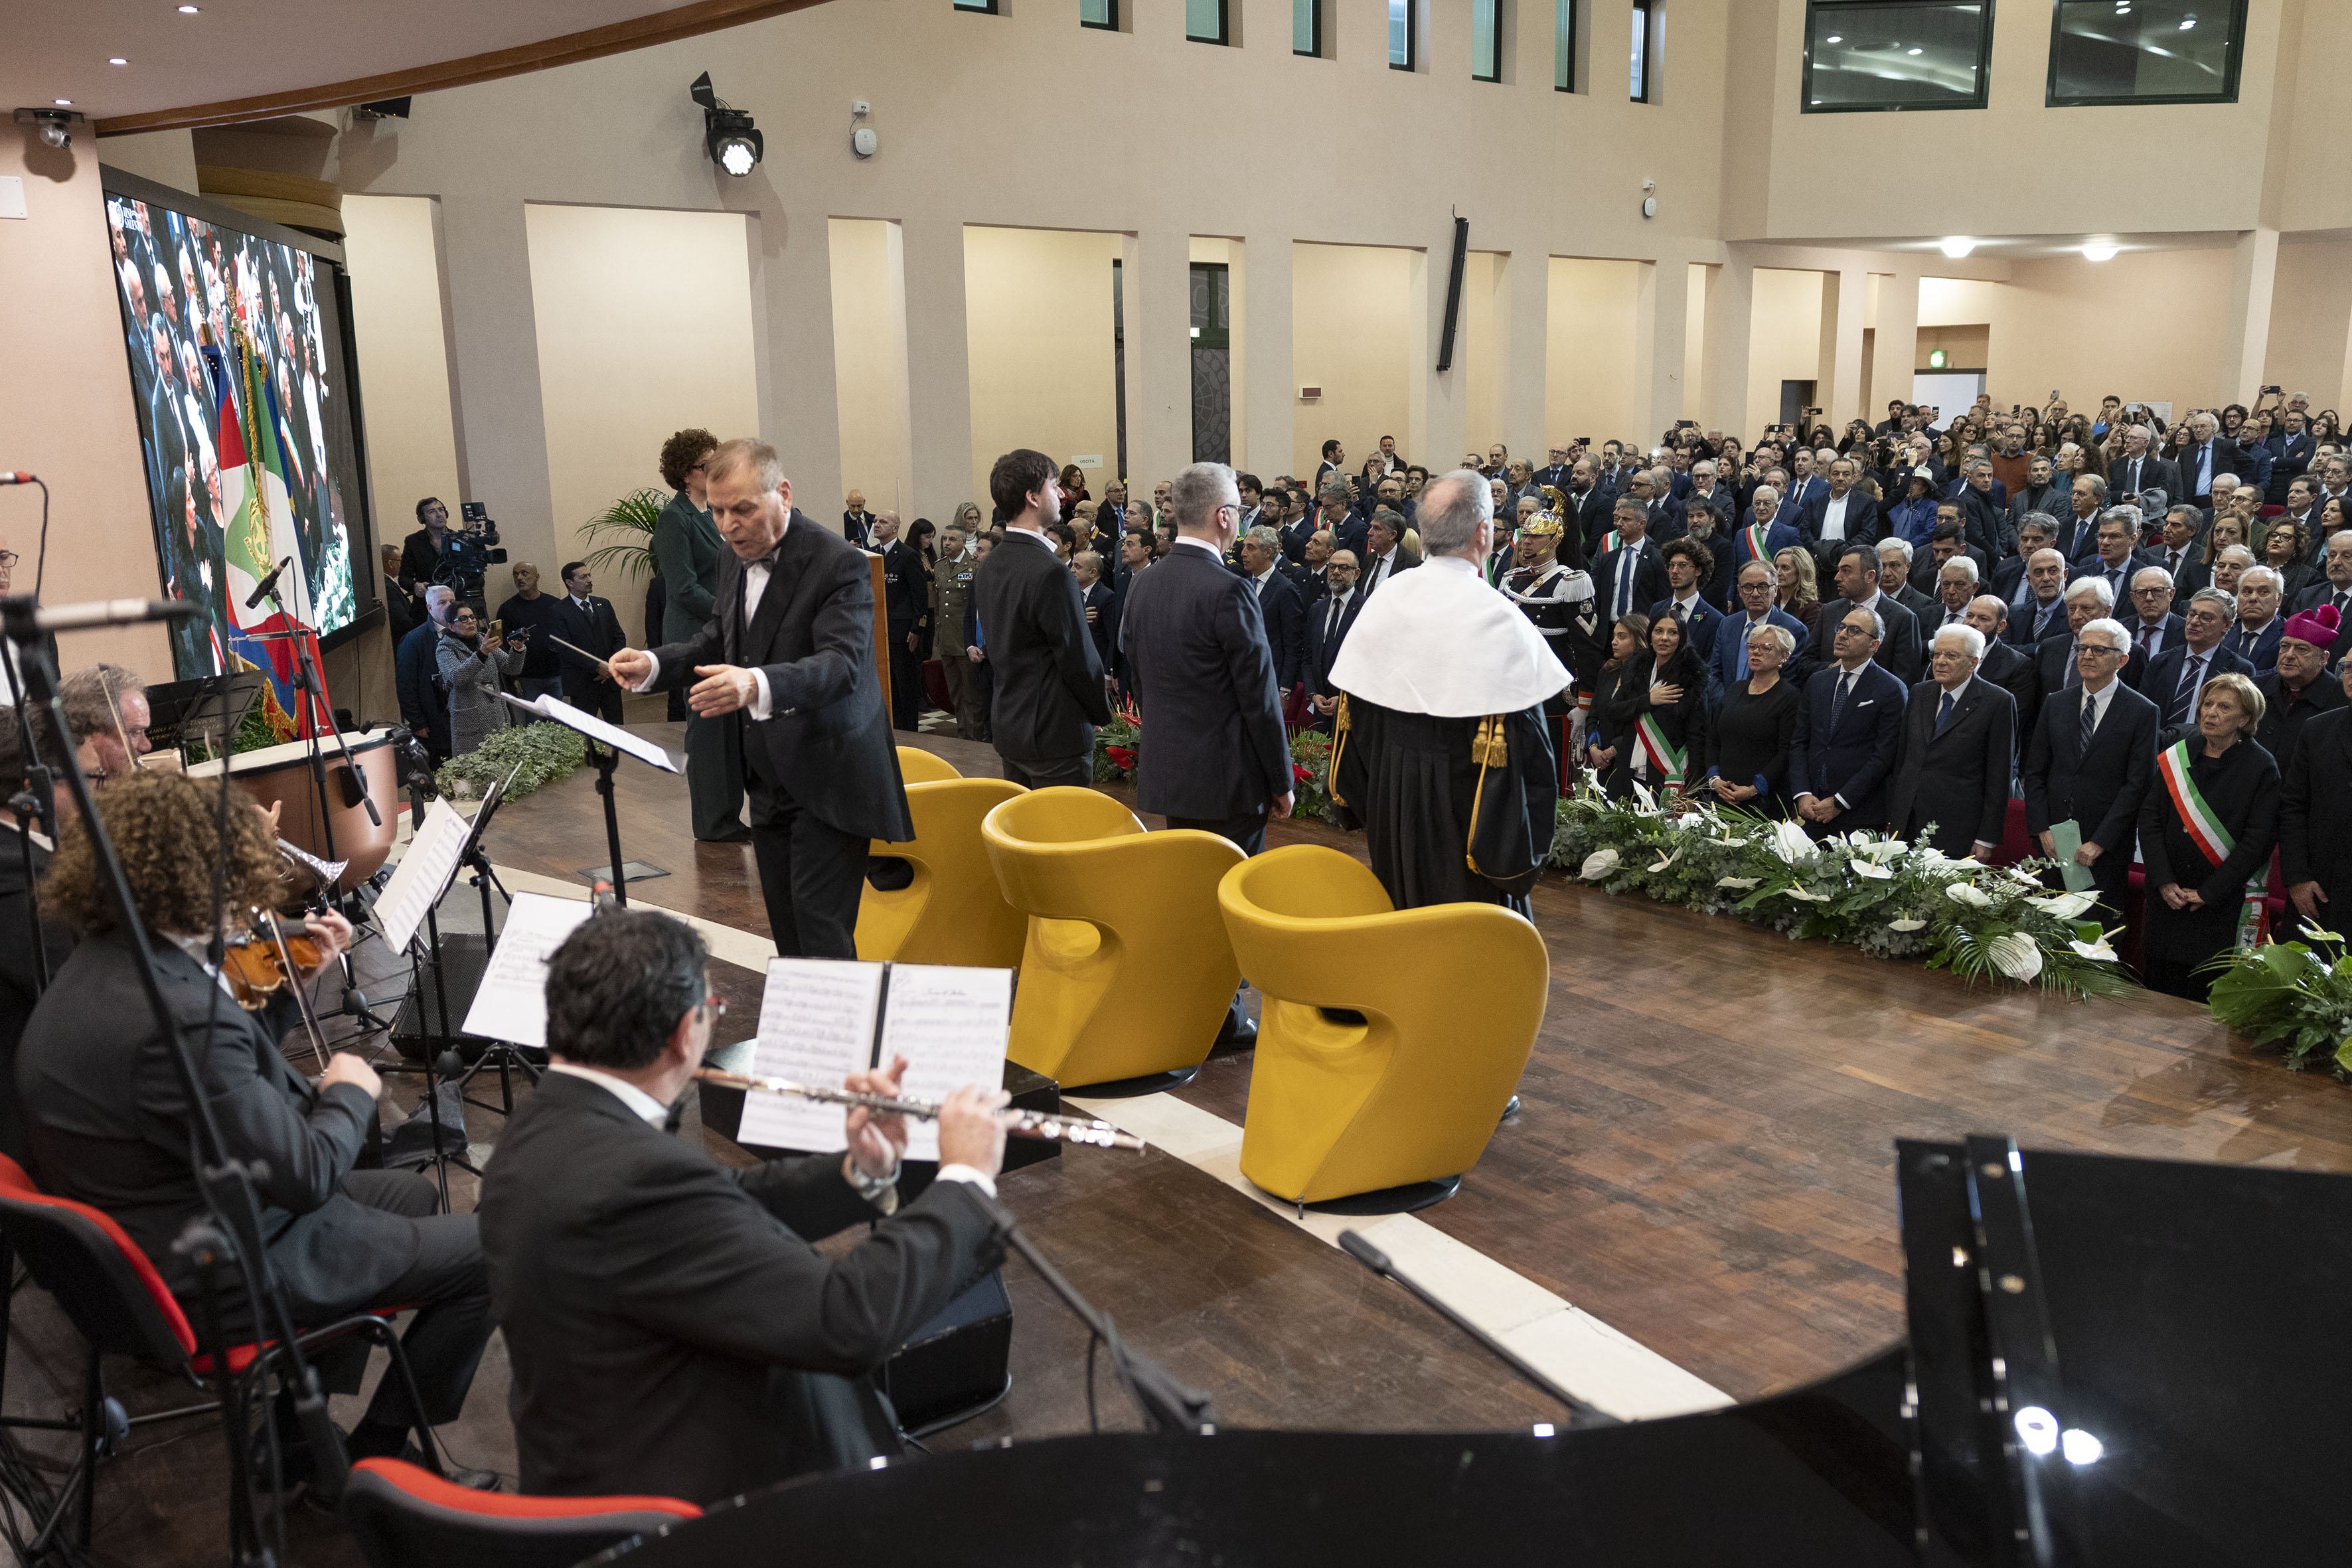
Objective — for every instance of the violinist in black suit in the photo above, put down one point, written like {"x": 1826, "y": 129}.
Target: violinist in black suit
{"x": 672, "y": 1329}
{"x": 588, "y": 623}
{"x": 790, "y": 646}
{"x": 2091, "y": 762}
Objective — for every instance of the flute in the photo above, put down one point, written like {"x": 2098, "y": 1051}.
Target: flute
{"x": 1043, "y": 1125}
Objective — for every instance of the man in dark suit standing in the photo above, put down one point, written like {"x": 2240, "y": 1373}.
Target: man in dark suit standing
{"x": 2054, "y": 656}
{"x": 2182, "y": 523}
{"x": 1385, "y": 552}
{"x": 2005, "y": 664}
{"x": 1281, "y": 605}
{"x": 2154, "y": 628}
{"x": 2118, "y": 553}
{"x": 2314, "y": 792}
{"x": 1631, "y": 575}
{"x": 2090, "y": 763}
{"x": 1101, "y": 605}
{"x": 1849, "y": 728}
{"x": 1959, "y": 737}
{"x": 906, "y": 601}
{"x": 1895, "y": 581}
{"x": 2208, "y": 454}
{"x": 1899, "y": 651}
{"x": 2140, "y": 469}
{"x": 588, "y": 623}
{"x": 1835, "y": 514}
{"x": 856, "y": 522}
{"x": 791, "y": 648}
{"x": 672, "y": 1330}
{"x": 1328, "y": 621}
{"x": 1215, "y": 756}
{"x": 2175, "y": 677}
{"x": 1049, "y": 682}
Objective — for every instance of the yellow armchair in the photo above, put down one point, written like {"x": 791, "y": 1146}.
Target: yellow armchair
{"x": 1451, "y": 995}
{"x": 1127, "y": 970}
{"x": 951, "y": 911}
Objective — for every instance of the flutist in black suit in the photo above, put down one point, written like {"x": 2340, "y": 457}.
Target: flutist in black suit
{"x": 671, "y": 1329}
{"x": 791, "y": 648}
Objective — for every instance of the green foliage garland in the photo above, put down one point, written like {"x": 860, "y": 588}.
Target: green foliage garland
{"x": 535, "y": 753}
{"x": 1891, "y": 899}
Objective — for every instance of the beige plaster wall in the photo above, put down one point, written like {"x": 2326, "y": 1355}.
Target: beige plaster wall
{"x": 1784, "y": 339}
{"x": 644, "y": 328}
{"x": 412, "y": 439}
{"x": 1038, "y": 320}
{"x": 1588, "y": 368}
{"x": 1350, "y": 336}
{"x": 869, "y": 365}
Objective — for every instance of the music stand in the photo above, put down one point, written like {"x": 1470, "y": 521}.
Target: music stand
{"x": 616, "y": 740}
{"x": 406, "y": 910}
{"x": 506, "y": 1053}
{"x": 210, "y": 705}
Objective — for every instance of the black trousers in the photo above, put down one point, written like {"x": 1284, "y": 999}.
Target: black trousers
{"x": 714, "y": 775}
{"x": 1249, "y": 833}
{"x": 905, "y": 681}
{"x": 812, "y": 875}
{"x": 1079, "y": 770}
{"x": 449, "y": 1282}
{"x": 601, "y": 698}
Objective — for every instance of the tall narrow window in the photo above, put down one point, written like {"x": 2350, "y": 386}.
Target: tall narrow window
{"x": 1563, "y": 46}
{"x": 1400, "y": 39}
{"x": 1485, "y": 48}
{"x": 1641, "y": 77}
{"x": 1307, "y": 27}
{"x": 1103, "y": 14}
{"x": 1204, "y": 21}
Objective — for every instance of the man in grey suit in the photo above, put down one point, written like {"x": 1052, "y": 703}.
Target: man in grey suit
{"x": 788, "y": 654}
{"x": 1050, "y": 693}
{"x": 1215, "y": 753}
{"x": 2091, "y": 761}
{"x": 672, "y": 1330}
{"x": 1958, "y": 741}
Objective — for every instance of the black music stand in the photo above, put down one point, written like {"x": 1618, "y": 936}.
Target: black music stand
{"x": 615, "y": 740}
{"x": 505, "y": 1053}
{"x": 210, "y": 706}
{"x": 444, "y": 1039}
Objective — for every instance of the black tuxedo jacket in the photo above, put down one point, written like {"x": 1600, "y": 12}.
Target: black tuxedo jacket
{"x": 1324, "y": 634}
{"x": 1283, "y": 608}
{"x": 2100, "y": 790}
{"x": 106, "y": 1125}
{"x": 1958, "y": 778}
{"x": 1049, "y": 682}
{"x": 672, "y": 1330}
{"x": 1214, "y": 744}
{"x": 1902, "y": 652}
{"x": 598, "y": 630}
{"x": 1851, "y": 757}
{"x": 2315, "y": 795}
{"x": 826, "y": 740}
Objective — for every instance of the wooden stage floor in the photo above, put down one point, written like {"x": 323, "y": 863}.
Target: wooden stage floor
{"x": 1704, "y": 1160}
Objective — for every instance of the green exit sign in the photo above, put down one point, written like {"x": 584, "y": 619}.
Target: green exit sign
{"x": 1935, "y": 360}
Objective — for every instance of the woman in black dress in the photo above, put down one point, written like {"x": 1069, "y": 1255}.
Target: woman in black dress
{"x": 2205, "y": 829}
{"x": 1657, "y": 713}
{"x": 1748, "y": 744}
{"x": 1617, "y": 695}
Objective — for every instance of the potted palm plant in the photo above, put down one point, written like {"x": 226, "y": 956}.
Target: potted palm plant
{"x": 628, "y": 525}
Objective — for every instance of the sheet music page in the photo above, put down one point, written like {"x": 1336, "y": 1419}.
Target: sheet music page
{"x": 512, "y": 1002}
{"x": 550, "y": 706}
{"x": 817, "y": 1028}
{"x": 421, "y": 875}
{"x": 952, "y": 1025}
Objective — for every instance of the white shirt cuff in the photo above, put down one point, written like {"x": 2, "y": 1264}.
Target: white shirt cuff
{"x": 972, "y": 1173}
{"x": 760, "y": 705}
{"x": 652, "y": 674}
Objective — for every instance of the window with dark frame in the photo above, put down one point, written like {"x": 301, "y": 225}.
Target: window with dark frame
{"x": 1563, "y": 46}
{"x": 1204, "y": 21}
{"x": 1640, "y": 82}
{"x": 987, "y": 6}
{"x": 2145, "y": 51}
{"x": 1307, "y": 27}
{"x": 1099, "y": 14}
{"x": 1486, "y": 40}
{"x": 1878, "y": 55}
{"x": 1402, "y": 56}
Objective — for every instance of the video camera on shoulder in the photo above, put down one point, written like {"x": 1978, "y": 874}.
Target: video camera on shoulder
{"x": 471, "y": 550}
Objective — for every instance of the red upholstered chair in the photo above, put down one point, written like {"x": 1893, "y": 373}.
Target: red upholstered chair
{"x": 113, "y": 1295}
{"x": 404, "y": 1516}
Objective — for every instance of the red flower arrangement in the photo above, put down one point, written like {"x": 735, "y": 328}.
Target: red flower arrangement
{"x": 1121, "y": 755}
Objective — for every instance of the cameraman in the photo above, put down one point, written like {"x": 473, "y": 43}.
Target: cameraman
{"x": 421, "y": 556}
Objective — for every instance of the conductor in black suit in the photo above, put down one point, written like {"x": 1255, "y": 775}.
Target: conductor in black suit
{"x": 790, "y": 646}
{"x": 1959, "y": 742}
{"x": 587, "y": 622}
{"x": 2091, "y": 761}
{"x": 1049, "y": 679}
{"x": 672, "y": 1330}
{"x": 1280, "y": 605}
{"x": 1215, "y": 756}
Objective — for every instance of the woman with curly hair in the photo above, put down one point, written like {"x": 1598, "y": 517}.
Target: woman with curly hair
{"x": 685, "y": 553}
{"x": 107, "y": 1123}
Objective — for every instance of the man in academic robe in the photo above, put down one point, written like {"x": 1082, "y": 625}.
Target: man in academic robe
{"x": 1444, "y": 677}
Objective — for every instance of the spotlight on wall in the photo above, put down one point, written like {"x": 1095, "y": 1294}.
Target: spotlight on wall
{"x": 1957, "y": 245}
{"x": 2100, "y": 251}
{"x": 734, "y": 143}
{"x": 57, "y": 125}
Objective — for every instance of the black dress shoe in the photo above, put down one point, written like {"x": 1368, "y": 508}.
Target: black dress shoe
{"x": 1511, "y": 1110}
{"x": 1236, "y": 1035}
{"x": 739, "y": 834}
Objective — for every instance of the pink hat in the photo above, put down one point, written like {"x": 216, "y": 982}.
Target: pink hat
{"x": 2315, "y": 627}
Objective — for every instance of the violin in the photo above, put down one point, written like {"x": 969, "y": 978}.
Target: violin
{"x": 276, "y": 959}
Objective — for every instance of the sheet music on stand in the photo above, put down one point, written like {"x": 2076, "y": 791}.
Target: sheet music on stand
{"x": 422, "y": 874}
{"x": 510, "y": 1004}
{"x": 822, "y": 1019}
{"x": 549, "y": 706}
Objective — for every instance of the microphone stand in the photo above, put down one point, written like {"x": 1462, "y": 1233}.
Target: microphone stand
{"x": 313, "y": 687}
{"x": 230, "y": 1231}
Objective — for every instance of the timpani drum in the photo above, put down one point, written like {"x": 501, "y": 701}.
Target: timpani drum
{"x": 282, "y": 772}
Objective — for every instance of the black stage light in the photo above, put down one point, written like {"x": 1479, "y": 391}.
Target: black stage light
{"x": 734, "y": 143}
